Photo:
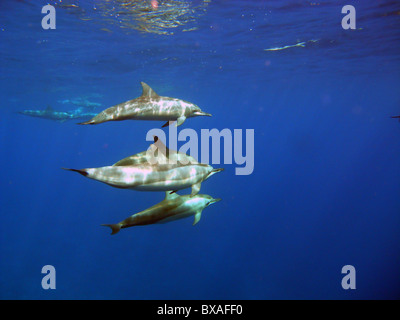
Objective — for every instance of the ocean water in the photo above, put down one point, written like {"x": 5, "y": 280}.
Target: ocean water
{"x": 325, "y": 189}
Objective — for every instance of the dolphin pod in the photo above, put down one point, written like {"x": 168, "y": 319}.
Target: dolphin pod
{"x": 150, "y": 106}
{"x": 158, "y": 168}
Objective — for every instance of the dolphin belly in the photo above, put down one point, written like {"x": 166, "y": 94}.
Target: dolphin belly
{"x": 178, "y": 216}
{"x": 174, "y": 179}
{"x": 165, "y": 185}
{"x": 156, "y": 213}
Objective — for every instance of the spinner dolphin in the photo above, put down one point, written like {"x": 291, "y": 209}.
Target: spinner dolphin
{"x": 142, "y": 172}
{"x": 173, "y": 207}
{"x": 150, "y": 106}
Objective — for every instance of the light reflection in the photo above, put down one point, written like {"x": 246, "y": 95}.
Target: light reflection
{"x": 152, "y": 16}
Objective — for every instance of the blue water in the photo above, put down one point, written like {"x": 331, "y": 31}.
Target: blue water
{"x": 325, "y": 191}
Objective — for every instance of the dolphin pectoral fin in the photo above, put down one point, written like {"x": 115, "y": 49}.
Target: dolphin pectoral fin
{"x": 169, "y": 122}
{"x": 114, "y": 227}
{"x": 169, "y": 195}
{"x": 195, "y": 189}
{"x": 197, "y": 217}
{"x": 180, "y": 120}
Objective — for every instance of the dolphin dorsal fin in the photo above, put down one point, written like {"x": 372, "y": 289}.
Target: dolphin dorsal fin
{"x": 170, "y": 196}
{"x": 160, "y": 145}
{"x": 148, "y": 92}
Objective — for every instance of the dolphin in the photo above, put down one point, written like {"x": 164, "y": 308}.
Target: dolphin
{"x": 150, "y": 106}
{"x": 173, "y": 207}
{"x": 82, "y": 102}
{"x": 61, "y": 116}
{"x": 150, "y": 177}
{"x": 396, "y": 117}
{"x": 148, "y": 172}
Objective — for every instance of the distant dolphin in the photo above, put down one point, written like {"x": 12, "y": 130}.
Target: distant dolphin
{"x": 173, "y": 207}
{"x": 150, "y": 106}
{"x": 396, "y": 117}
{"x": 83, "y": 102}
{"x": 137, "y": 172}
{"x": 60, "y": 116}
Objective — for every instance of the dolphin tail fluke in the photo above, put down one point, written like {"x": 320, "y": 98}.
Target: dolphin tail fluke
{"x": 114, "y": 227}
{"x": 81, "y": 171}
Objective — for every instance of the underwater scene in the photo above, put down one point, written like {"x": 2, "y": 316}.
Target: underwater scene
{"x": 200, "y": 150}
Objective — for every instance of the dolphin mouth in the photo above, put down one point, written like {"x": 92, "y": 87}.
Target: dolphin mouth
{"x": 214, "y": 171}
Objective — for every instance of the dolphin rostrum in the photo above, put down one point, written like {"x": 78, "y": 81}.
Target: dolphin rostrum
{"x": 143, "y": 172}
{"x": 173, "y": 207}
{"x": 150, "y": 106}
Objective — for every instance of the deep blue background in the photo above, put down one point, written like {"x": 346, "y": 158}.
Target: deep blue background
{"x": 325, "y": 191}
